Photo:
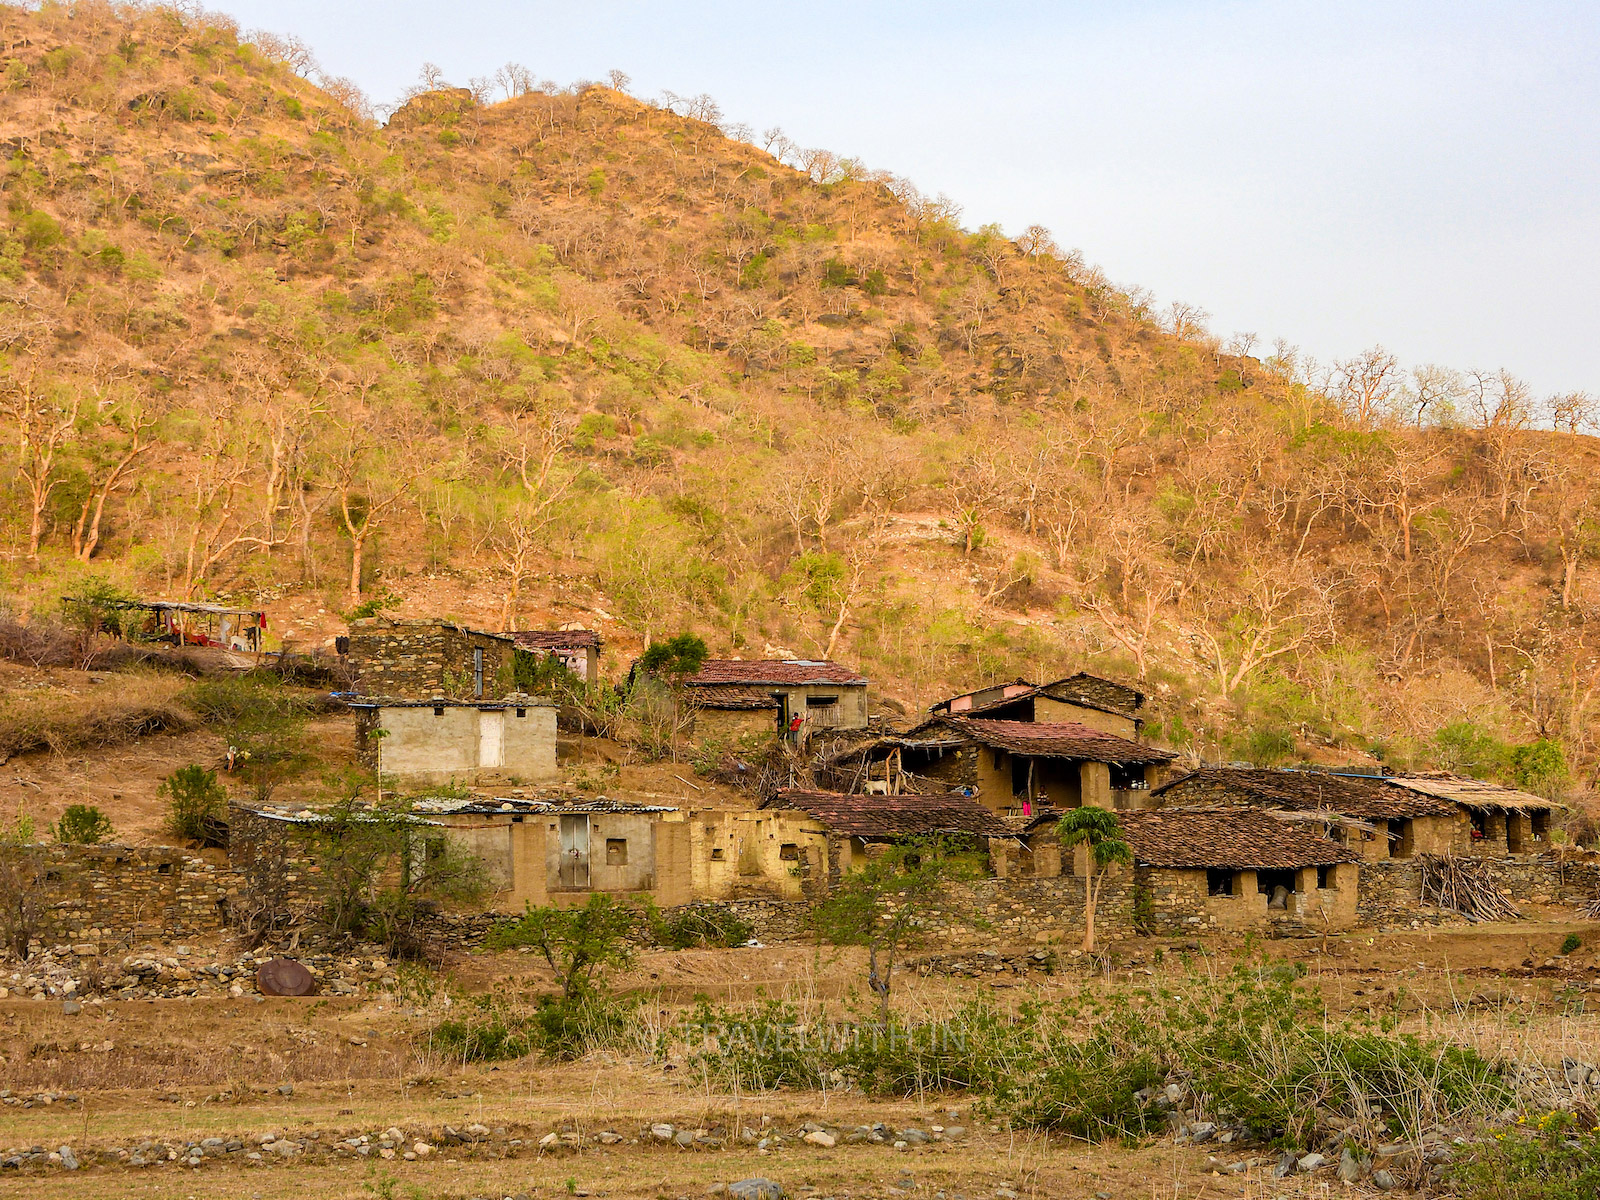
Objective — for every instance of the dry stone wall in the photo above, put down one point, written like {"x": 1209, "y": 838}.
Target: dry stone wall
{"x": 93, "y": 894}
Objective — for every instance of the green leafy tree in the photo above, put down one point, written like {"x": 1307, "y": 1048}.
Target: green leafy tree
{"x": 676, "y": 658}
{"x": 885, "y": 905}
{"x": 1097, "y": 829}
{"x": 579, "y": 944}
{"x": 197, "y": 805}
{"x": 1539, "y": 767}
{"x": 83, "y": 824}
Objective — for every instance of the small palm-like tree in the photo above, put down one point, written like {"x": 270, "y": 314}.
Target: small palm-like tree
{"x": 1097, "y": 829}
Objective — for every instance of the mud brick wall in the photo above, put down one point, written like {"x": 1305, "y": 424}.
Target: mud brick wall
{"x": 417, "y": 660}
{"x": 120, "y": 894}
{"x": 1015, "y": 911}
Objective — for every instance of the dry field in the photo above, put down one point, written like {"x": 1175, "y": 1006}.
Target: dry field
{"x": 178, "y": 1071}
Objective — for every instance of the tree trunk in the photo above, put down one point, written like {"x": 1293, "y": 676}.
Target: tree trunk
{"x": 358, "y": 547}
{"x": 1091, "y": 897}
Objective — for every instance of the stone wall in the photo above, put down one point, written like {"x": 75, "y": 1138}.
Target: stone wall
{"x": 121, "y": 894}
{"x": 417, "y": 660}
{"x": 1391, "y": 892}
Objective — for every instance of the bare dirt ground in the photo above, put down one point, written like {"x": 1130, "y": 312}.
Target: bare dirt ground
{"x": 178, "y": 1071}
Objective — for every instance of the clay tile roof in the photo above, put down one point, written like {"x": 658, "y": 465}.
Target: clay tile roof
{"x": 734, "y": 695}
{"x": 894, "y": 816}
{"x": 784, "y": 672}
{"x": 556, "y": 639}
{"x": 1052, "y": 739}
{"x": 1367, "y": 797}
{"x": 1233, "y": 838}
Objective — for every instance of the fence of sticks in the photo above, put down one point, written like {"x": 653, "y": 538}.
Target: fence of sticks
{"x": 1464, "y": 885}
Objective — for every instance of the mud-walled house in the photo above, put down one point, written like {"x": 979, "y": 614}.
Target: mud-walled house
{"x": 1230, "y": 868}
{"x": 1493, "y": 821}
{"x": 1101, "y": 704}
{"x": 841, "y": 832}
{"x": 798, "y": 698}
{"x": 1013, "y": 768}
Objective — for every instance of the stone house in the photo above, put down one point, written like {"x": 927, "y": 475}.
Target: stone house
{"x": 1011, "y": 767}
{"x": 424, "y": 659}
{"x": 1381, "y": 816}
{"x": 1498, "y": 820}
{"x": 433, "y": 742}
{"x": 843, "y": 831}
{"x": 1231, "y": 868}
{"x": 734, "y": 698}
{"x": 577, "y": 649}
{"x": 1090, "y": 700}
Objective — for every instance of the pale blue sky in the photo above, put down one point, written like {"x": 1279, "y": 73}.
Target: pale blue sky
{"x": 1413, "y": 173}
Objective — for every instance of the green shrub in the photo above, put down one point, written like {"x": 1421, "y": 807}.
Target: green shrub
{"x": 676, "y": 657}
{"x": 1547, "y": 1160}
{"x": 83, "y": 824}
{"x": 700, "y": 925}
{"x": 197, "y": 805}
{"x": 1570, "y": 943}
{"x": 1539, "y": 767}
{"x": 556, "y": 1027}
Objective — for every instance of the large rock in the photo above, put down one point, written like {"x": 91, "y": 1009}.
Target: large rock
{"x": 756, "y": 1188}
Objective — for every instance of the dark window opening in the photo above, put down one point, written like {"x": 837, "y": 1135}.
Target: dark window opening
{"x": 522, "y": 712}
{"x": 438, "y": 710}
{"x": 821, "y": 701}
{"x": 1219, "y": 882}
{"x": 1126, "y": 778}
{"x": 477, "y": 671}
{"x": 789, "y": 852}
{"x": 1478, "y": 830}
{"x": 1541, "y": 826}
{"x": 1277, "y": 886}
{"x": 163, "y": 868}
{"x": 1324, "y": 877}
{"x": 1019, "y": 776}
{"x": 717, "y": 854}
{"x": 616, "y": 852}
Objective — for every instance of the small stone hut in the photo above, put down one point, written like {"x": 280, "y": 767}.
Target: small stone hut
{"x": 1498, "y": 820}
{"x": 577, "y": 649}
{"x": 737, "y": 697}
{"x": 423, "y": 659}
{"x": 1230, "y": 868}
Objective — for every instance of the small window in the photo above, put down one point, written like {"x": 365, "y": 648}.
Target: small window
{"x": 477, "y": 671}
{"x": 522, "y": 712}
{"x": 821, "y": 701}
{"x": 1324, "y": 877}
{"x": 1219, "y": 882}
{"x": 718, "y": 854}
{"x": 616, "y": 852}
{"x": 789, "y": 852}
{"x": 163, "y": 868}
{"x": 438, "y": 710}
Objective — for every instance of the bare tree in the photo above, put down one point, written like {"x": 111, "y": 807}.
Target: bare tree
{"x": 1574, "y": 412}
{"x": 1237, "y": 631}
{"x": 134, "y": 423}
{"x": 44, "y": 424}
{"x": 1366, "y": 385}
{"x": 619, "y": 79}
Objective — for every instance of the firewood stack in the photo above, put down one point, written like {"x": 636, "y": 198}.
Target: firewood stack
{"x": 1464, "y": 885}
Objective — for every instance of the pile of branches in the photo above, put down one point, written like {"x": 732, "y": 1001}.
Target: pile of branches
{"x": 1591, "y": 910}
{"x": 1464, "y": 885}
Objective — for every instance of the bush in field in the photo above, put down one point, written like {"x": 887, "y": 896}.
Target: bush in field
{"x": 700, "y": 925}
{"x": 1548, "y": 1159}
{"x": 579, "y": 944}
{"x": 197, "y": 805}
{"x": 83, "y": 824}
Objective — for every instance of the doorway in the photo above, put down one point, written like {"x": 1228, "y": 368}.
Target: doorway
{"x": 574, "y": 874}
{"x": 491, "y": 738}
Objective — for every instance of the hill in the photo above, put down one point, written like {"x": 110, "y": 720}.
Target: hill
{"x": 571, "y": 357}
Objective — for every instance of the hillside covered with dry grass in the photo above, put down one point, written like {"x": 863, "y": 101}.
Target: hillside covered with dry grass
{"x": 562, "y": 355}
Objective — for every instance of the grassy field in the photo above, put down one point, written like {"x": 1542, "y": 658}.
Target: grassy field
{"x": 178, "y": 1071}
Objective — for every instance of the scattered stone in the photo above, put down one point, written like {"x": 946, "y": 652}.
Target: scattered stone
{"x": 756, "y": 1188}
{"x": 69, "y": 1160}
{"x": 1383, "y": 1180}
{"x": 1311, "y": 1162}
{"x": 609, "y": 1137}
{"x": 1286, "y": 1165}
{"x": 955, "y": 1132}
{"x": 1202, "y": 1131}
{"x": 821, "y": 1137}
{"x": 286, "y": 1089}
{"x": 70, "y": 1008}
{"x": 662, "y": 1132}
{"x": 1350, "y": 1168}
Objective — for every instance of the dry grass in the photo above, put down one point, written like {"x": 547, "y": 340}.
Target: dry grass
{"x": 131, "y": 706}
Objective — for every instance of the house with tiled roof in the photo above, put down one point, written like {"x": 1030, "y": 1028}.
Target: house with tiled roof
{"x": 1010, "y": 767}
{"x": 576, "y": 649}
{"x": 1091, "y": 700}
{"x": 800, "y": 698}
{"x": 1227, "y": 867}
{"x": 1380, "y": 816}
